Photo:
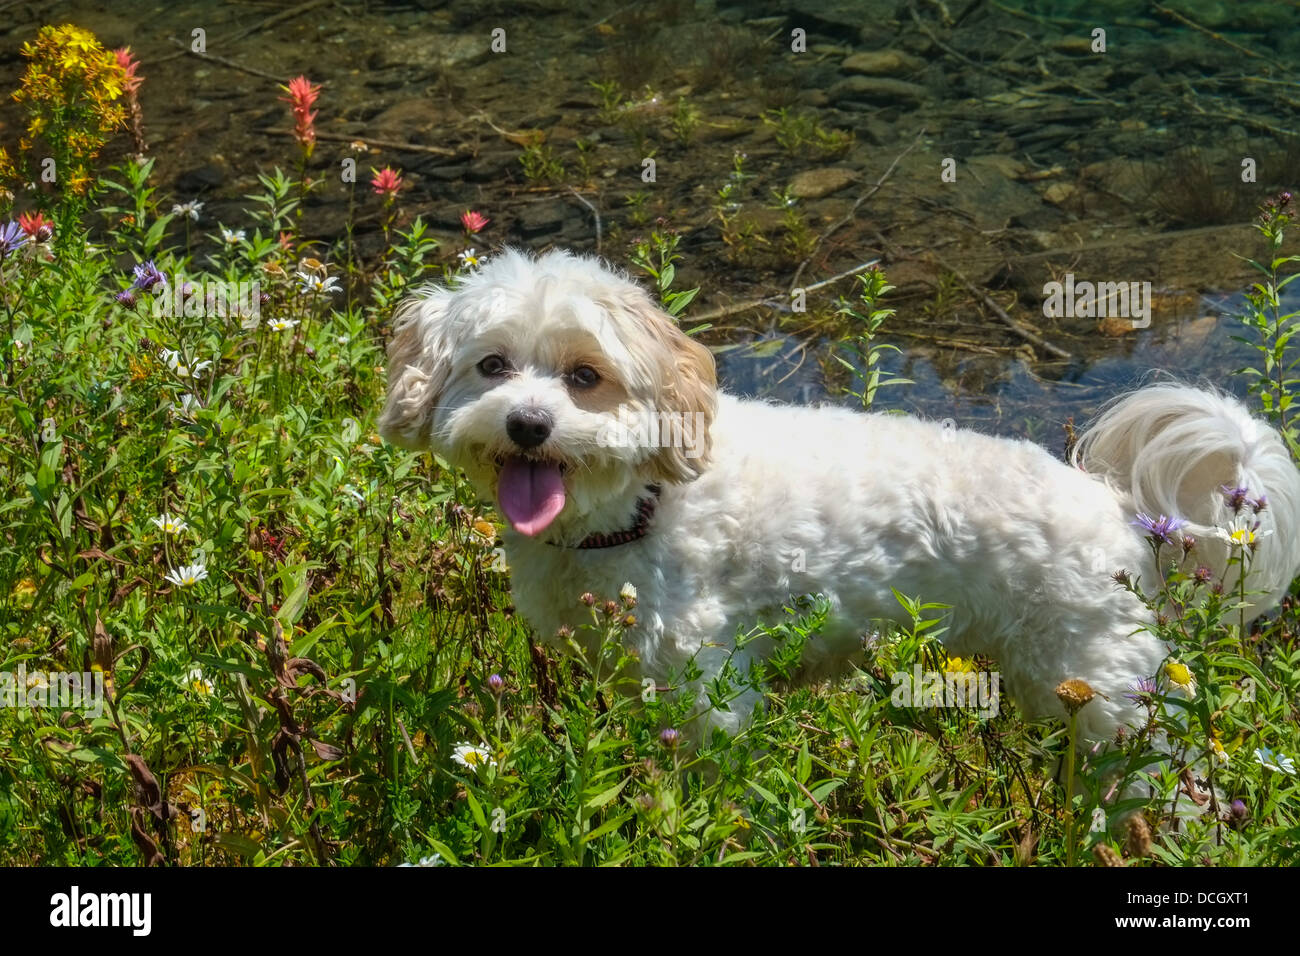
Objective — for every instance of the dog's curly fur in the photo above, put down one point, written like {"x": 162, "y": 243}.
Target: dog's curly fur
{"x": 774, "y": 501}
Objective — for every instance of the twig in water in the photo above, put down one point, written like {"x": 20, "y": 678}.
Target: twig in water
{"x": 582, "y": 199}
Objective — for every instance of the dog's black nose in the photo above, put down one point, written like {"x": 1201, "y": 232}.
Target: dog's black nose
{"x": 529, "y": 427}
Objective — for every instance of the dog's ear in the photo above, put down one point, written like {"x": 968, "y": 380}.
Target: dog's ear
{"x": 419, "y": 362}
{"x": 687, "y": 381}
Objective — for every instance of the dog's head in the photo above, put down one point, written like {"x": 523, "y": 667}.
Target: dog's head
{"x": 556, "y": 384}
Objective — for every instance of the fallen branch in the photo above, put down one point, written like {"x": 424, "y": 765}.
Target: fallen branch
{"x": 773, "y": 301}
{"x": 213, "y": 58}
{"x": 371, "y": 141}
{"x": 1033, "y": 338}
{"x": 848, "y": 217}
{"x": 1175, "y": 15}
{"x": 582, "y": 199}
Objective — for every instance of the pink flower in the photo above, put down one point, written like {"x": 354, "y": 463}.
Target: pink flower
{"x": 301, "y": 98}
{"x": 129, "y": 65}
{"x": 473, "y": 221}
{"x": 387, "y": 182}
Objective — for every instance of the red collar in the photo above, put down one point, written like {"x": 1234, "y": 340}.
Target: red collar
{"x": 645, "y": 511}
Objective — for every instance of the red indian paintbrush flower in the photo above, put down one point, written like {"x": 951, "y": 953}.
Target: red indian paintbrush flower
{"x": 473, "y": 221}
{"x": 129, "y": 65}
{"x": 387, "y": 182}
{"x": 301, "y": 98}
{"x": 36, "y": 225}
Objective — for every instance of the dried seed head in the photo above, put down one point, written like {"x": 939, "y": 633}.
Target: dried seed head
{"x": 1138, "y": 841}
{"x": 1106, "y": 855}
{"x": 1074, "y": 694}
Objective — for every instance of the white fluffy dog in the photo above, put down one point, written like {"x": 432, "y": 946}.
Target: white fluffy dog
{"x": 574, "y": 403}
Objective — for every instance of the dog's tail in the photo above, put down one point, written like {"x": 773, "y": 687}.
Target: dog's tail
{"x": 1181, "y": 452}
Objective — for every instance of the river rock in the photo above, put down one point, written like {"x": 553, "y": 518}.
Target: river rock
{"x": 877, "y": 90}
{"x": 883, "y": 63}
{"x": 815, "y": 183}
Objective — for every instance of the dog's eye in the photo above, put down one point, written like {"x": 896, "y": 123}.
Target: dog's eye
{"x": 584, "y": 376}
{"x": 493, "y": 365}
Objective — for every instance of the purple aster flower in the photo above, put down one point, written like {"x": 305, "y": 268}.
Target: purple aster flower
{"x": 1142, "y": 690}
{"x": 1260, "y": 503}
{"x": 1160, "y": 530}
{"x": 1236, "y": 497}
{"x": 127, "y": 298}
{"x": 669, "y": 738}
{"x": 12, "y": 238}
{"x": 147, "y": 276}
{"x": 496, "y": 684}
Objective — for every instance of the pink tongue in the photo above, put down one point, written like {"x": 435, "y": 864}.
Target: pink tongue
{"x": 531, "y": 494}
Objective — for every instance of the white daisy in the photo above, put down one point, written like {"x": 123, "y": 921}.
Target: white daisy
{"x": 170, "y": 524}
{"x": 187, "y": 576}
{"x": 1273, "y": 760}
{"x": 310, "y": 282}
{"x": 191, "y": 209}
{"x": 435, "y": 860}
{"x": 469, "y": 259}
{"x": 1243, "y": 532}
{"x": 280, "y": 325}
{"x": 467, "y": 755}
{"x": 232, "y": 237}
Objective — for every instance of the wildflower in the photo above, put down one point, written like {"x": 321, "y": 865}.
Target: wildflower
{"x": 670, "y": 738}
{"x": 12, "y": 238}
{"x": 469, "y": 260}
{"x": 1235, "y": 496}
{"x": 1180, "y": 675}
{"x": 473, "y": 221}
{"x": 232, "y": 237}
{"x": 1074, "y": 694}
{"x": 196, "y": 682}
{"x": 127, "y": 298}
{"x": 435, "y": 860}
{"x": 471, "y": 757}
{"x": 170, "y": 524}
{"x": 188, "y": 406}
{"x": 1202, "y": 574}
{"x": 628, "y": 594}
{"x": 1142, "y": 690}
{"x": 1216, "y": 750}
{"x": 280, "y": 325}
{"x": 588, "y": 599}
{"x": 190, "y": 209}
{"x": 1243, "y": 533}
{"x": 1160, "y": 530}
{"x": 36, "y": 226}
{"x": 1238, "y": 814}
{"x": 301, "y": 97}
{"x": 386, "y": 183}
{"x": 496, "y": 683}
{"x": 173, "y": 360}
{"x": 1274, "y": 760}
{"x": 187, "y": 576}
{"x": 1189, "y": 544}
{"x": 959, "y": 665}
{"x": 358, "y": 146}
{"x": 316, "y": 283}
{"x": 147, "y": 276}
{"x": 1259, "y": 504}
